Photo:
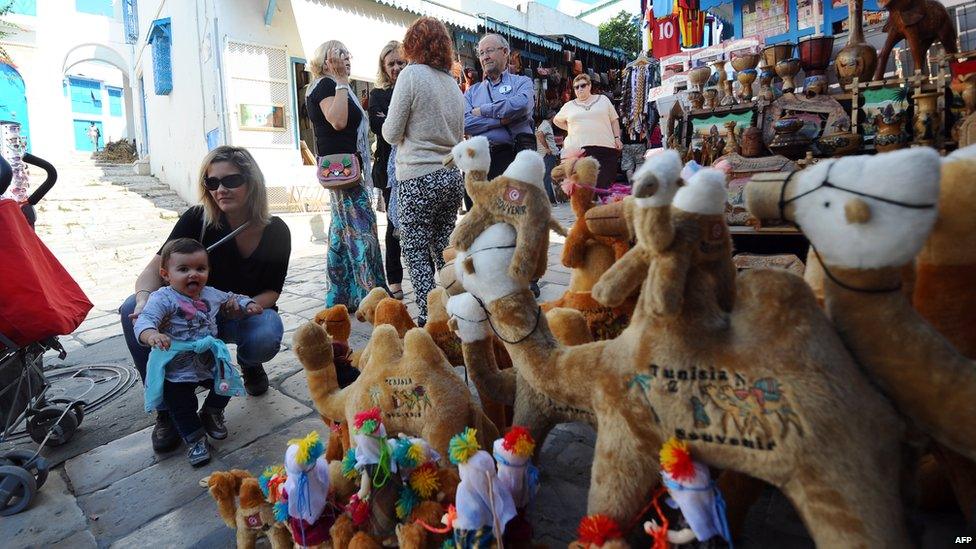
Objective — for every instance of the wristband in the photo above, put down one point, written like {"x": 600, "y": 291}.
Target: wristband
{"x": 342, "y": 87}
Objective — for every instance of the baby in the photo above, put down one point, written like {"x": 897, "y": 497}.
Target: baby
{"x": 179, "y": 322}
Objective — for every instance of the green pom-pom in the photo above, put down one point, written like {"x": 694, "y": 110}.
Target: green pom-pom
{"x": 463, "y": 446}
{"x": 406, "y": 503}
{"x": 349, "y": 464}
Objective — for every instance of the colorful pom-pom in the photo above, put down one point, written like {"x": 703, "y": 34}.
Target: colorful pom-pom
{"x": 463, "y": 446}
{"x": 519, "y": 441}
{"x": 425, "y": 480}
{"x": 281, "y": 511}
{"x": 408, "y": 454}
{"x": 264, "y": 481}
{"x": 358, "y": 510}
{"x": 368, "y": 422}
{"x": 597, "y": 530}
{"x": 406, "y": 502}
{"x": 310, "y": 449}
{"x": 349, "y": 464}
{"x": 676, "y": 460}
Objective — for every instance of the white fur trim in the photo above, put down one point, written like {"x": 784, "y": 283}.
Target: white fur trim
{"x": 665, "y": 167}
{"x": 491, "y": 253}
{"x": 894, "y": 234}
{"x": 527, "y": 167}
{"x": 965, "y": 153}
{"x": 472, "y": 322}
{"x": 704, "y": 194}
{"x": 479, "y": 161}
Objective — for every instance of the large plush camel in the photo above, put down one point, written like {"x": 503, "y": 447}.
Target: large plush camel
{"x": 865, "y": 229}
{"x": 409, "y": 380}
{"x": 838, "y": 465}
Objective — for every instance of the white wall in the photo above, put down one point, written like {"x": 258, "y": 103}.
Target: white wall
{"x": 40, "y": 54}
{"x": 113, "y": 127}
{"x": 535, "y": 18}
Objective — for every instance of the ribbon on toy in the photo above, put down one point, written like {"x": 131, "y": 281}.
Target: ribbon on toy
{"x": 304, "y": 502}
{"x": 383, "y": 466}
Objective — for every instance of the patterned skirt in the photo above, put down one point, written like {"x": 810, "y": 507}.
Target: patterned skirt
{"x": 354, "y": 262}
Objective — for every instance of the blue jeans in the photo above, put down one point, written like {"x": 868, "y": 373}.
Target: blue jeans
{"x": 258, "y": 338}
{"x": 551, "y": 161}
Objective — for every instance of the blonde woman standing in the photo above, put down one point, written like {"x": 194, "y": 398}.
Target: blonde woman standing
{"x": 354, "y": 263}
{"x": 590, "y": 122}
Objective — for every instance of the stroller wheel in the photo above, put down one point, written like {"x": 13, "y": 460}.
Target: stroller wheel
{"x": 78, "y": 408}
{"x": 35, "y": 465}
{"x": 61, "y": 425}
{"x": 17, "y": 489}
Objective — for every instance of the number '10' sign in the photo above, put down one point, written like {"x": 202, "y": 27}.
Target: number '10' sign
{"x": 665, "y": 30}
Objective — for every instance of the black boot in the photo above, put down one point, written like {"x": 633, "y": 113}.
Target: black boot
{"x": 164, "y": 435}
{"x": 255, "y": 380}
{"x": 213, "y": 423}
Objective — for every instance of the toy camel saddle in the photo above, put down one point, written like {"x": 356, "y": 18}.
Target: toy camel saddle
{"x": 748, "y": 371}
{"x": 864, "y": 228}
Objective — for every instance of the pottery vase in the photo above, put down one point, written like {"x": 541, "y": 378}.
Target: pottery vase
{"x": 746, "y": 78}
{"x": 839, "y": 144}
{"x": 889, "y": 136}
{"x": 787, "y": 69}
{"x": 724, "y": 84}
{"x": 766, "y": 75}
{"x": 926, "y": 124}
{"x": 698, "y": 76}
{"x": 814, "y": 53}
{"x": 697, "y": 99}
{"x": 857, "y": 58}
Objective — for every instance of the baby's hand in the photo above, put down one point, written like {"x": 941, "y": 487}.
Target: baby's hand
{"x": 159, "y": 341}
{"x": 253, "y": 309}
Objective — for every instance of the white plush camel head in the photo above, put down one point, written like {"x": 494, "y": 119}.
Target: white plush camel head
{"x": 528, "y": 168}
{"x": 861, "y": 212}
{"x": 656, "y": 181}
{"x": 704, "y": 194}
{"x": 468, "y": 318}
{"x": 490, "y": 253}
{"x": 471, "y": 155}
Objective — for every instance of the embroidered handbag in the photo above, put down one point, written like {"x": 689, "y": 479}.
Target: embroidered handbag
{"x": 339, "y": 171}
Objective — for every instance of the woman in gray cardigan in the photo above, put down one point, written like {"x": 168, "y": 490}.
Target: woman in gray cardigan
{"x": 425, "y": 120}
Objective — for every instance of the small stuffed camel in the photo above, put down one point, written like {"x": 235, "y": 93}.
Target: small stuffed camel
{"x": 764, "y": 387}
{"x": 864, "y": 229}
{"x": 409, "y": 380}
{"x": 253, "y": 517}
{"x": 516, "y": 197}
{"x": 580, "y": 176}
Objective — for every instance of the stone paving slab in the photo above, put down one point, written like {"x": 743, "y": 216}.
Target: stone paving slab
{"x": 196, "y": 523}
{"x": 112, "y": 462}
{"x": 79, "y": 540}
{"x": 296, "y": 386}
{"x": 53, "y": 516}
{"x": 270, "y": 449}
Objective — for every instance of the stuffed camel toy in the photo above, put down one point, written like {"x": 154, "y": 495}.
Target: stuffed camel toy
{"x": 409, "y": 380}
{"x": 580, "y": 175}
{"x": 864, "y": 230}
{"x": 764, "y": 387}
{"x": 243, "y": 507}
{"x": 516, "y": 197}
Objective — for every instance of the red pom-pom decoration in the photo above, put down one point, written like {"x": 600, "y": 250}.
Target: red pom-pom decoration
{"x": 598, "y": 529}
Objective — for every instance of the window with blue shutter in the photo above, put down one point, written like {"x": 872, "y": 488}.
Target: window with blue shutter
{"x": 95, "y": 7}
{"x": 160, "y": 36}
{"x": 86, "y": 96}
{"x": 114, "y": 101}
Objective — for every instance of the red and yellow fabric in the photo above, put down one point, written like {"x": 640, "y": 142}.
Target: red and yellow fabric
{"x": 692, "y": 26}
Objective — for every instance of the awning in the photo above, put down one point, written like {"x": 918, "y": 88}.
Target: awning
{"x": 428, "y": 8}
{"x": 508, "y": 30}
{"x": 570, "y": 40}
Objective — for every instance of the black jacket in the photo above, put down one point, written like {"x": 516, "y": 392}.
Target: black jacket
{"x": 379, "y": 106}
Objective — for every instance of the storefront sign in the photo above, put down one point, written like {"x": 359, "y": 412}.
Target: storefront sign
{"x": 765, "y": 18}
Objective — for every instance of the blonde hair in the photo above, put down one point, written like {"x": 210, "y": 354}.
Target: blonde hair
{"x": 383, "y": 79}
{"x": 583, "y": 76}
{"x": 318, "y": 64}
{"x": 256, "y": 201}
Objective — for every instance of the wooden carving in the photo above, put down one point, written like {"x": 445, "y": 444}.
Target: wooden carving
{"x": 920, "y": 23}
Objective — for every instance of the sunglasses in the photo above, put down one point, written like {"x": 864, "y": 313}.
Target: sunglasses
{"x": 231, "y": 181}
{"x": 581, "y": 86}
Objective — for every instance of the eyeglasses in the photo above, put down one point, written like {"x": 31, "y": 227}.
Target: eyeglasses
{"x": 487, "y": 52}
{"x": 580, "y": 86}
{"x": 231, "y": 181}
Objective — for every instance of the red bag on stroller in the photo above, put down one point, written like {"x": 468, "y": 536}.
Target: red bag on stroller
{"x": 38, "y": 298}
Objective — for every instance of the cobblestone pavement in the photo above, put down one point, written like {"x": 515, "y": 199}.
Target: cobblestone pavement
{"x": 111, "y": 489}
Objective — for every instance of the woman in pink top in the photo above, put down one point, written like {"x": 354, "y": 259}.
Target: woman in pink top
{"x": 590, "y": 121}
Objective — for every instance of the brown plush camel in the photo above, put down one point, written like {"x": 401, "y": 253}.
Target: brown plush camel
{"x": 838, "y": 465}
{"x": 253, "y": 517}
{"x": 864, "y": 230}
{"x": 582, "y": 174}
{"x": 409, "y": 380}
{"x": 532, "y": 410}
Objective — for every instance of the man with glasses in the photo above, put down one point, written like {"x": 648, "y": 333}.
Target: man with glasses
{"x": 500, "y": 108}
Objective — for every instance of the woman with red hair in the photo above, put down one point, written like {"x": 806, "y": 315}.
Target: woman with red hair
{"x": 425, "y": 120}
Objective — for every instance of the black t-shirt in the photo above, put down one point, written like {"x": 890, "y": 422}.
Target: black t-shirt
{"x": 379, "y": 106}
{"x": 327, "y": 139}
{"x": 264, "y": 270}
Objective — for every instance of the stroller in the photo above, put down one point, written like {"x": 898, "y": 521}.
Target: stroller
{"x": 25, "y": 335}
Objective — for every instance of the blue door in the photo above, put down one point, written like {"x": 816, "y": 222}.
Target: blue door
{"x": 82, "y": 141}
{"x": 13, "y": 100}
